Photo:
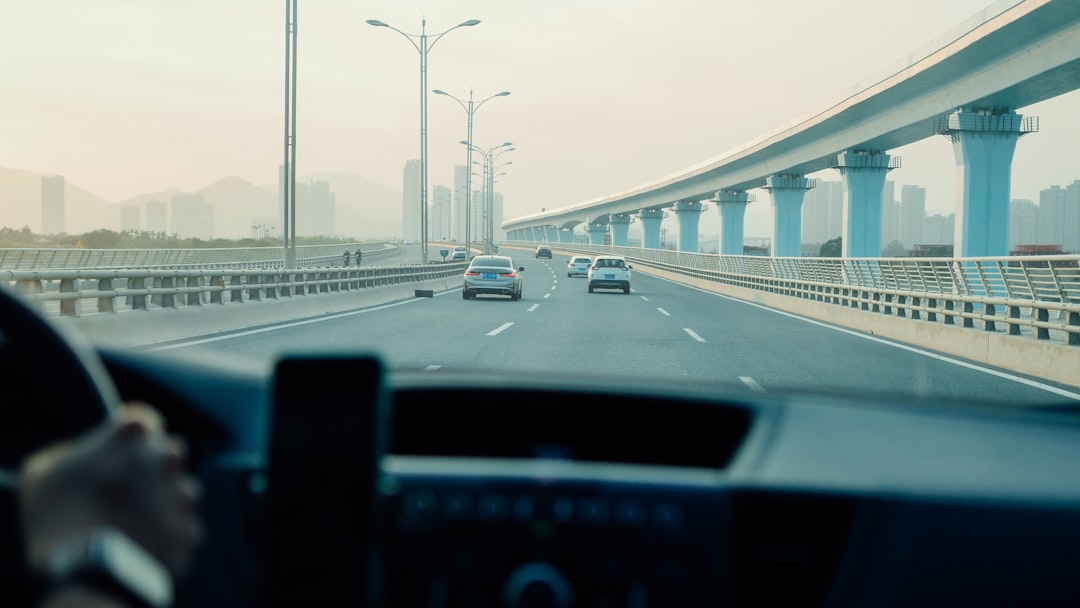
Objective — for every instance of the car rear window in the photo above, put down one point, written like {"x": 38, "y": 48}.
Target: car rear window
{"x": 490, "y": 261}
{"x": 582, "y": 260}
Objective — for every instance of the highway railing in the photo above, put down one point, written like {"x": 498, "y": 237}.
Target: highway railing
{"x": 112, "y": 290}
{"x": 1037, "y": 296}
{"x": 233, "y": 257}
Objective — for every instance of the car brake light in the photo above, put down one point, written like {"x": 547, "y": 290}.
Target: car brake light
{"x": 472, "y": 273}
{"x": 507, "y": 274}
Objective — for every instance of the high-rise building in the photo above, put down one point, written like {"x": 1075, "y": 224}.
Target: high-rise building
{"x": 1023, "y": 223}
{"x": 458, "y": 228}
{"x": 1051, "y": 229}
{"x": 890, "y": 214}
{"x": 1070, "y": 234}
{"x": 192, "y": 216}
{"x": 52, "y": 204}
{"x": 439, "y": 215}
{"x": 157, "y": 213}
{"x": 321, "y": 207}
{"x": 410, "y": 204}
{"x": 939, "y": 230}
{"x": 130, "y": 218}
{"x": 913, "y": 216}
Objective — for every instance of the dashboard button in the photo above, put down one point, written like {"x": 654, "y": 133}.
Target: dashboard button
{"x": 668, "y": 515}
{"x": 593, "y": 511}
{"x": 563, "y": 509}
{"x": 631, "y": 513}
{"x": 524, "y": 509}
{"x": 457, "y": 506}
{"x": 419, "y": 505}
{"x": 493, "y": 507}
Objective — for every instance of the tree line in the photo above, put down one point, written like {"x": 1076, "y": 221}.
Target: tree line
{"x": 143, "y": 239}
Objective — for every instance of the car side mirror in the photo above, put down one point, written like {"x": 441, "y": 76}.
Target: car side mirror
{"x": 629, "y": 267}
{"x": 521, "y": 269}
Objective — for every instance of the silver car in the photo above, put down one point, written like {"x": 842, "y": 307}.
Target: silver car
{"x": 492, "y": 274}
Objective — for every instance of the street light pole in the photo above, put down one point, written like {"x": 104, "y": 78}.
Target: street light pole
{"x": 287, "y": 183}
{"x": 470, "y": 109}
{"x": 489, "y": 184}
{"x": 423, "y": 47}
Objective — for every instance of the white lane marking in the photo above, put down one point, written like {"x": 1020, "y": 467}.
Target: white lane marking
{"x": 553, "y": 287}
{"x": 556, "y": 280}
{"x": 498, "y": 330}
{"x": 532, "y": 308}
{"x": 432, "y": 368}
{"x": 693, "y": 335}
{"x": 644, "y": 298}
{"x": 263, "y": 330}
{"x": 547, "y": 295}
{"x": 664, "y": 312}
{"x": 986, "y": 370}
{"x": 751, "y": 384}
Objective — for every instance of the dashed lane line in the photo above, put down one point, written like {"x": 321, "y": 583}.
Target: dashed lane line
{"x": 532, "y": 308}
{"x": 693, "y": 335}
{"x": 751, "y": 384}
{"x": 547, "y": 295}
{"x": 498, "y": 330}
{"x": 663, "y": 312}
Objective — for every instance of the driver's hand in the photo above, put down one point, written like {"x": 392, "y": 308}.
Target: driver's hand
{"x": 127, "y": 473}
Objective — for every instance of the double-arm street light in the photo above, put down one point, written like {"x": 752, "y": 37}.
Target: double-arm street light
{"x": 421, "y": 44}
{"x": 470, "y": 109}
{"x": 489, "y": 157}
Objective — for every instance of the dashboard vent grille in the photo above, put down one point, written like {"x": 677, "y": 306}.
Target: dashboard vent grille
{"x": 787, "y": 547}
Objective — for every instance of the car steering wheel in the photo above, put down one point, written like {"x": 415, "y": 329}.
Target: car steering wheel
{"x": 55, "y": 387}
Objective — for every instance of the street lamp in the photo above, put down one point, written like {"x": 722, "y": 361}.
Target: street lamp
{"x": 423, "y": 47}
{"x": 470, "y": 109}
{"x": 489, "y": 157}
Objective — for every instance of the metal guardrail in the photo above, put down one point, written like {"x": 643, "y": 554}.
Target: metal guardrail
{"x": 112, "y": 290}
{"x": 1018, "y": 294}
{"x": 234, "y": 257}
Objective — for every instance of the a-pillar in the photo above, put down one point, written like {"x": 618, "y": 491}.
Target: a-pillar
{"x": 863, "y": 173}
{"x": 566, "y": 235}
{"x": 597, "y": 232}
{"x": 551, "y": 234}
{"x": 983, "y": 143}
{"x": 650, "y": 227}
{"x": 620, "y": 229}
{"x": 787, "y": 192}
{"x": 689, "y": 213}
{"x": 732, "y": 211}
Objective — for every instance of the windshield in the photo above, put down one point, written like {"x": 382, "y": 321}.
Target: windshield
{"x": 726, "y": 151}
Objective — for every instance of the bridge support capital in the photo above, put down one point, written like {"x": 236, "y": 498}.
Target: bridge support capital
{"x": 650, "y": 227}
{"x": 689, "y": 215}
{"x": 863, "y": 173}
{"x": 620, "y": 229}
{"x": 787, "y": 192}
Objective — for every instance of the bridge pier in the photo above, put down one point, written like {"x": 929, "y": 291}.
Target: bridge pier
{"x": 787, "y": 192}
{"x": 984, "y": 140}
{"x": 650, "y": 225}
{"x": 863, "y": 173}
{"x": 689, "y": 216}
{"x": 566, "y": 235}
{"x": 551, "y": 234}
{"x": 597, "y": 232}
{"x": 732, "y": 205}
{"x": 620, "y": 229}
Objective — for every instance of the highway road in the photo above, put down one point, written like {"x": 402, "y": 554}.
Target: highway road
{"x": 660, "y": 330}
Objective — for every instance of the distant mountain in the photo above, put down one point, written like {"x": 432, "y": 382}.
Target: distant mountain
{"x": 364, "y": 208}
{"x": 20, "y": 204}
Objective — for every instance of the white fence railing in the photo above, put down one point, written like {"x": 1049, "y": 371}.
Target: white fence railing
{"x": 111, "y": 290}
{"x": 234, "y": 257}
{"x": 1023, "y": 295}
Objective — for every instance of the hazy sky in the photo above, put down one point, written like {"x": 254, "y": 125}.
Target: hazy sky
{"x": 129, "y": 96}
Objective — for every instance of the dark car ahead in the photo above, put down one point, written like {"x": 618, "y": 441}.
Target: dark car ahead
{"x": 543, "y": 251}
{"x": 492, "y": 274}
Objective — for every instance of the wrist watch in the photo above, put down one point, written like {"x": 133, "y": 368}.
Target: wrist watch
{"x": 109, "y": 562}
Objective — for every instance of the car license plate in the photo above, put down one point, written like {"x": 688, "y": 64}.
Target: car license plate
{"x": 488, "y": 275}
{"x": 609, "y": 276}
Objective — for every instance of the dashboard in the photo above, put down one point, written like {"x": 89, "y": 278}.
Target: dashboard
{"x": 468, "y": 489}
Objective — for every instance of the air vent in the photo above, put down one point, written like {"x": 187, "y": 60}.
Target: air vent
{"x": 787, "y": 547}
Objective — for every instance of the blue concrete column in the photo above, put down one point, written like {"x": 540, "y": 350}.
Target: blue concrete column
{"x": 863, "y": 173}
{"x": 597, "y": 232}
{"x": 538, "y": 234}
{"x": 984, "y": 141}
{"x": 650, "y": 226}
{"x": 689, "y": 215}
{"x": 566, "y": 235}
{"x": 620, "y": 229}
{"x": 787, "y": 192}
{"x": 551, "y": 234}
{"x": 732, "y": 211}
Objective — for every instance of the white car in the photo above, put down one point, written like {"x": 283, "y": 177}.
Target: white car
{"x": 578, "y": 266}
{"x": 609, "y": 272}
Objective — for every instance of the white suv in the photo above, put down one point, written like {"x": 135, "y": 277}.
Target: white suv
{"x": 609, "y": 272}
